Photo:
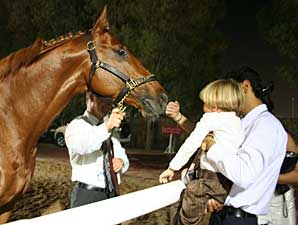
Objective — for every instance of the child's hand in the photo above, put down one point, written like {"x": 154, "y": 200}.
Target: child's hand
{"x": 166, "y": 176}
{"x": 207, "y": 142}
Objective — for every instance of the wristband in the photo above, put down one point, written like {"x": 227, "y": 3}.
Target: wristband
{"x": 177, "y": 120}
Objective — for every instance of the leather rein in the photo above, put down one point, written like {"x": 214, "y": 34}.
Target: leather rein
{"x": 130, "y": 84}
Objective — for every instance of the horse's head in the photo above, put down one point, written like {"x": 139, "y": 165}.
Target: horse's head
{"x": 116, "y": 73}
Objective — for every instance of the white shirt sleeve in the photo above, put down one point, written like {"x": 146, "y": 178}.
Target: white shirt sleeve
{"x": 119, "y": 152}
{"x": 83, "y": 138}
{"x": 243, "y": 167}
{"x": 193, "y": 142}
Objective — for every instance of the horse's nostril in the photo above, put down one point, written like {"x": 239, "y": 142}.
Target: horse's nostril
{"x": 163, "y": 99}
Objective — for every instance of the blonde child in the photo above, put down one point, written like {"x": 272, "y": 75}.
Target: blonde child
{"x": 222, "y": 103}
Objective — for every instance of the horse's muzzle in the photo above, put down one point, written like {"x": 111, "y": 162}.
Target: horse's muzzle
{"x": 155, "y": 107}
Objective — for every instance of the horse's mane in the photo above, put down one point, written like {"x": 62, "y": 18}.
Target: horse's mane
{"x": 16, "y": 60}
{"x": 53, "y": 43}
{"x": 26, "y": 56}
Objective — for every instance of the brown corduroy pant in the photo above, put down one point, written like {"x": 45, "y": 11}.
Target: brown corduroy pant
{"x": 193, "y": 202}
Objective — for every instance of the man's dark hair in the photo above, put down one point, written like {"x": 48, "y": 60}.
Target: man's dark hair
{"x": 106, "y": 100}
{"x": 260, "y": 88}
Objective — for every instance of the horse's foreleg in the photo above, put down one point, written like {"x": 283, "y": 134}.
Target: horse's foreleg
{"x": 4, "y": 217}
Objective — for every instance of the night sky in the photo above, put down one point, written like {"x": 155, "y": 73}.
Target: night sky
{"x": 247, "y": 47}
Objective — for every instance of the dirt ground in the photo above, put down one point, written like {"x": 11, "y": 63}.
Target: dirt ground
{"x": 50, "y": 187}
{"x": 50, "y": 191}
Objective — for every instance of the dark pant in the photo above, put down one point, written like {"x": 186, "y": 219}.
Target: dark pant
{"x": 82, "y": 196}
{"x": 232, "y": 216}
{"x": 232, "y": 220}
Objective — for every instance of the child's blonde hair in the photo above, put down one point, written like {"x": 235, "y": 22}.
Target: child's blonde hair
{"x": 224, "y": 94}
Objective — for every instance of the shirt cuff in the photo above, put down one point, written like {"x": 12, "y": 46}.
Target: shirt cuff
{"x": 174, "y": 167}
{"x": 125, "y": 166}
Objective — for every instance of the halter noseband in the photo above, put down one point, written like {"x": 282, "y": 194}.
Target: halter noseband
{"x": 130, "y": 84}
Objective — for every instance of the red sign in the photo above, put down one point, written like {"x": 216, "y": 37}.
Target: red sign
{"x": 168, "y": 129}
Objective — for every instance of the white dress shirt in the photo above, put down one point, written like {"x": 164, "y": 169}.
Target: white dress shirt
{"x": 84, "y": 141}
{"x": 227, "y": 130}
{"x": 255, "y": 167}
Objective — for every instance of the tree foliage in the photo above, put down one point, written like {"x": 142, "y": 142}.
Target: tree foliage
{"x": 279, "y": 25}
{"x": 178, "y": 41}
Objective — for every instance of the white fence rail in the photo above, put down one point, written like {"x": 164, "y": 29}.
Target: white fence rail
{"x": 114, "y": 210}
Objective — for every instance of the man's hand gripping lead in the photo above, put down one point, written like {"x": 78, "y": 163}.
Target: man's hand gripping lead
{"x": 114, "y": 120}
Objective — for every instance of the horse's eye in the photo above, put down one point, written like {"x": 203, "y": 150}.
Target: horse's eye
{"x": 121, "y": 52}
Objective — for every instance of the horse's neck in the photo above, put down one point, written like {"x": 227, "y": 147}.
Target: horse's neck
{"x": 32, "y": 98}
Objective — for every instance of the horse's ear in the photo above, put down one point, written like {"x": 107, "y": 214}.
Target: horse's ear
{"x": 102, "y": 24}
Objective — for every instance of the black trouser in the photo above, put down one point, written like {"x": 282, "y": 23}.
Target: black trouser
{"x": 232, "y": 216}
{"x": 82, "y": 196}
{"x": 232, "y": 220}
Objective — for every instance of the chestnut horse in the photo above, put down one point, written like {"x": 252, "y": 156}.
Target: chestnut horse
{"x": 37, "y": 82}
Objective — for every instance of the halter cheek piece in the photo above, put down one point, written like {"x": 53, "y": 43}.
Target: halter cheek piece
{"x": 130, "y": 84}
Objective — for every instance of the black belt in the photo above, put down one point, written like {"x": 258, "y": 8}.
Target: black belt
{"x": 236, "y": 212}
{"x": 89, "y": 187}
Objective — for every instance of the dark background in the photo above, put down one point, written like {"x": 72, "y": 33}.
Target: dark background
{"x": 186, "y": 43}
{"x": 247, "y": 46}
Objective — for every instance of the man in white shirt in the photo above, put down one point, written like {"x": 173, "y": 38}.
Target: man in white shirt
{"x": 88, "y": 141}
{"x": 254, "y": 170}
{"x": 255, "y": 167}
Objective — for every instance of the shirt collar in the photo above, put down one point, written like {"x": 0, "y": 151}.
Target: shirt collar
{"x": 91, "y": 118}
{"x": 253, "y": 114}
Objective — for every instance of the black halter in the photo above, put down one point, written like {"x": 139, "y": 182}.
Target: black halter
{"x": 130, "y": 84}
